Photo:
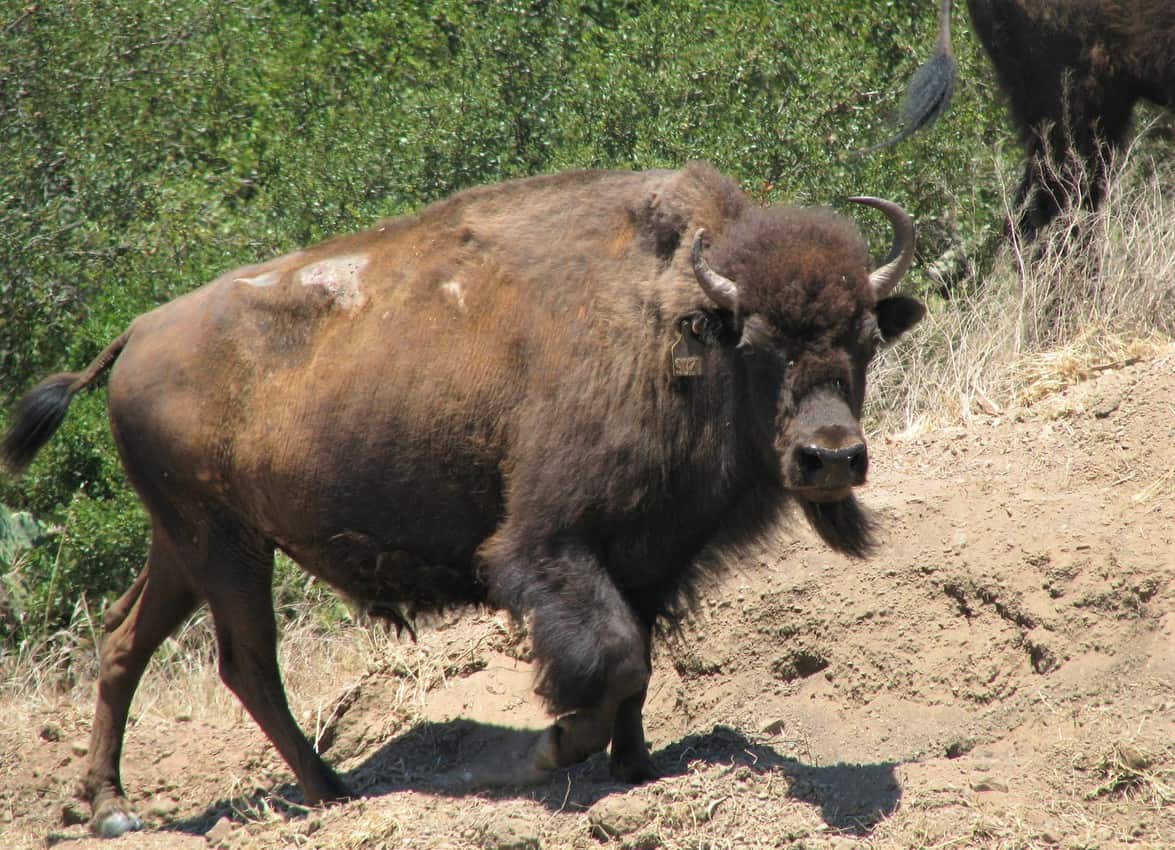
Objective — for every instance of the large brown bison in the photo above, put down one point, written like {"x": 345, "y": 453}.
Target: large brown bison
{"x": 550, "y": 396}
{"x": 1072, "y": 71}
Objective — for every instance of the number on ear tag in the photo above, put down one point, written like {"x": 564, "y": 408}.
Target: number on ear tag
{"x": 688, "y": 352}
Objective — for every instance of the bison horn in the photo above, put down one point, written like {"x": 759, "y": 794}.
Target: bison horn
{"x": 885, "y": 278}
{"x": 722, "y": 291}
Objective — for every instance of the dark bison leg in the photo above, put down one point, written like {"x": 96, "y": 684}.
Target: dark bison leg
{"x": 137, "y": 623}
{"x": 630, "y": 760}
{"x": 592, "y": 654}
{"x": 1068, "y": 157}
{"x": 238, "y": 576}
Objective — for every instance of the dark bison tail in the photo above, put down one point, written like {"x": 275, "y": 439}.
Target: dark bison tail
{"x": 930, "y": 90}
{"x": 34, "y": 421}
{"x": 929, "y": 93}
{"x": 39, "y": 414}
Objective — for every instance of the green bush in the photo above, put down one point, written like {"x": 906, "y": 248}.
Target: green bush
{"x": 151, "y": 144}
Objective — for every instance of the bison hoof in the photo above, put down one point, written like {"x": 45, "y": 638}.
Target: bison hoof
{"x": 334, "y": 791}
{"x": 634, "y": 770}
{"x": 112, "y": 820}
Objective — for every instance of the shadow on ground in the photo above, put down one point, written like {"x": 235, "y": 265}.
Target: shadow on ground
{"x": 853, "y": 798}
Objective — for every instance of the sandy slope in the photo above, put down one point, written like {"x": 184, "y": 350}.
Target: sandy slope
{"x": 1001, "y": 674}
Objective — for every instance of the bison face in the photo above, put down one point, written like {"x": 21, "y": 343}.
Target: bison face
{"x": 809, "y": 317}
{"x": 817, "y": 434}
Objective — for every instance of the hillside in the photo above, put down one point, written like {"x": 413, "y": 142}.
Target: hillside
{"x": 1000, "y": 674}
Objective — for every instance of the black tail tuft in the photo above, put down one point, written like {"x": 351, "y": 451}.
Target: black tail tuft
{"x": 929, "y": 93}
{"x": 927, "y": 97}
{"x": 36, "y": 418}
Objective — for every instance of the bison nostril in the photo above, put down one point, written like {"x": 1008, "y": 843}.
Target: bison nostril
{"x": 822, "y": 467}
{"x": 810, "y": 460}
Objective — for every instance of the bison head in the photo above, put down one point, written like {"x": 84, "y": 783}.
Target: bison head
{"x": 806, "y": 314}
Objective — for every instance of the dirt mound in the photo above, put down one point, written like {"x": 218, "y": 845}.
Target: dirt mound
{"x": 1000, "y": 674}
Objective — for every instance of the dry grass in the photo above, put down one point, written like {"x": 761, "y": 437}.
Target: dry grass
{"x": 182, "y": 680}
{"x": 1136, "y": 772}
{"x": 1096, "y": 293}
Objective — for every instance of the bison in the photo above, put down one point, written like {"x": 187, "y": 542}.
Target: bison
{"x": 1072, "y": 71}
{"x": 564, "y": 396}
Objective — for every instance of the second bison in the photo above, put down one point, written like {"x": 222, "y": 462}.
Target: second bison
{"x": 1072, "y": 73}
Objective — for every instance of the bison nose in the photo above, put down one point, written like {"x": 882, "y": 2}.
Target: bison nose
{"x": 833, "y": 468}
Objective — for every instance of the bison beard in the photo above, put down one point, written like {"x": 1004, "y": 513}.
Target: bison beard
{"x": 455, "y": 409}
{"x": 844, "y": 525}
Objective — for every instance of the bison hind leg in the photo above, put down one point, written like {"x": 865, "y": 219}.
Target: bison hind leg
{"x": 237, "y": 569}
{"x": 136, "y": 624}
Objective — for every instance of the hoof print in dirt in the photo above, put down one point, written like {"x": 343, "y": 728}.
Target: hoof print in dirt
{"x": 799, "y": 663}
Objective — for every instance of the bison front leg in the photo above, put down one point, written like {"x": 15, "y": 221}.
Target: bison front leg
{"x": 630, "y": 760}
{"x": 593, "y": 659}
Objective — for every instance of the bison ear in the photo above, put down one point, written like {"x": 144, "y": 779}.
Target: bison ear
{"x": 897, "y": 314}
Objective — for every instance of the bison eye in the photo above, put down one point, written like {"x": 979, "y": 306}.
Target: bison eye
{"x": 756, "y": 336}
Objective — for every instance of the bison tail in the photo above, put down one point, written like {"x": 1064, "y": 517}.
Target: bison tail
{"x": 929, "y": 93}
{"x": 39, "y": 414}
{"x": 927, "y": 97}
{"x": 930, "y": 90}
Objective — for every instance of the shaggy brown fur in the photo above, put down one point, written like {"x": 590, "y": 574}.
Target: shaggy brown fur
{"x": 1072, "y": 71}
{"x": 476, "y": 404}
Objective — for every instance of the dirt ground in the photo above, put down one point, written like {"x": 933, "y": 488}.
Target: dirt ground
{"x": 1001, "y": 674}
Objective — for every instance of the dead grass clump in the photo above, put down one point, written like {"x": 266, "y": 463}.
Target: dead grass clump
{"x": 1097, "y": 292}
{"x": 45, "y": 669}
{"x": 1092, "y": 351}
{"x": 1135, "y": 773}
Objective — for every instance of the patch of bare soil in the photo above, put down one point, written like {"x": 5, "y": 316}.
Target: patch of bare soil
{"x": 1000, "y": 674}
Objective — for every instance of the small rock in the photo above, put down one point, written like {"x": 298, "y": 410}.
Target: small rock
{"x": 51, "y": 732}
{"x": 1133, "y": 758}
{"x": 1106, "y": 405}
{"x": 644, "y": 841}
{"x": 74, "y": 812}
{"x": 219, "y": 834}
{"x": 618, "y": 815}
{"x": 510, "y": 832}
{"x": 79, "y": 748}
{"x": 162, "y": 807}
{"x": 775, "y": 727}
{"x": 989, "y": 785}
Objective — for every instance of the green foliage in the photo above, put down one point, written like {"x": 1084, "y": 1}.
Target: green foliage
{"x": 19, "y": 532}
{"x": 149, "y": 145}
